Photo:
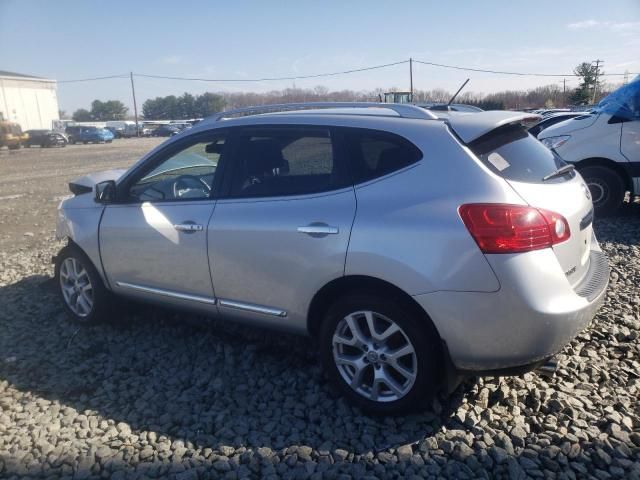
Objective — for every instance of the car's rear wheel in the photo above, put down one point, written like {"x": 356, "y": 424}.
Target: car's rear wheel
{"x": 84, "y": 296}
{"x": 381, "y": 355}
{"x": 606, "y": 188}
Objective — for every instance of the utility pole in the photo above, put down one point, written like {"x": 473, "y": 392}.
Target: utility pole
{"x": 135, "y": 106}
{"x": 564, "y": 92}
{"x": 411, "y": 77}
{"x": 595, "y": 82}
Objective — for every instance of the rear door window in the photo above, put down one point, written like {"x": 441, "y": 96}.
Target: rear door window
{"x": 515, "y": 155}
{"x": 276, "y": 161}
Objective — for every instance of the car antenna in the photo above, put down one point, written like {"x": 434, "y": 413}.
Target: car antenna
{"x": 459, "y": 90}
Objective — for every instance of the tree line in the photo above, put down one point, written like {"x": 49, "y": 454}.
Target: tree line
{"x": 187, "y": 106}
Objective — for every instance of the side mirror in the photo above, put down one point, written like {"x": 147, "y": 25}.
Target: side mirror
{"x": 106, "y": 192}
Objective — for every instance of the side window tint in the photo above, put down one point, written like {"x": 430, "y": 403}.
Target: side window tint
{"x": 375, "y": 154}
{"x": 274, "y": 162}
{"x": 186, "y": 175}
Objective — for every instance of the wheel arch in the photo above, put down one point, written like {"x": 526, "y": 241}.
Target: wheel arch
{"x": 349, "y": 284}
{"x": 617, "y": 167}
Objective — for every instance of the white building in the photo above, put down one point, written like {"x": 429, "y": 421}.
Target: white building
{"x": 30, "y": 101}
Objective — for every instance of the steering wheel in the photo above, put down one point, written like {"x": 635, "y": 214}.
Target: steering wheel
{"x": 184, "y": 183}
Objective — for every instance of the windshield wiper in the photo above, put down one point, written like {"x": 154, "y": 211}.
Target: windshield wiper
{"x": 559, "y": 172}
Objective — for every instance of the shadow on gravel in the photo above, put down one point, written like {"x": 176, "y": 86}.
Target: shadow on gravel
{"x": 187, "y": 383}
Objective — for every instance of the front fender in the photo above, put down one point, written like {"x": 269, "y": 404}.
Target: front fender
{"x": 81, "y": 225}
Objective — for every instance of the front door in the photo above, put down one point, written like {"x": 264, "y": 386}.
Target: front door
{"x": 282, "y": 230}
{"x": 153, "y": 242}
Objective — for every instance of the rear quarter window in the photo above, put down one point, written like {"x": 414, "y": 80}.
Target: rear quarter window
{"x": 375, "y": 153}
{"x": 515, "y": 155}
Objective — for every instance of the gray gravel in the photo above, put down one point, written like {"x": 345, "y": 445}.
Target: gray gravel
{"x": 155, "y": 395}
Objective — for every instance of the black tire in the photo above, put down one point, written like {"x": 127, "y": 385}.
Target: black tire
{"x": 606, "y": 187}
{"x": 418, "y": 330}
{"x": 102, "y": 298}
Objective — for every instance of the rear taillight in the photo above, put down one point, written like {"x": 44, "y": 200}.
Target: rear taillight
{"x": 500, "y": 228}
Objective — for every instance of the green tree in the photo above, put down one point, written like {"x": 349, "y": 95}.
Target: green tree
{"x": 82, "y": 115}
{"x": 208, "y": 104}
{"x": 153, "y": 109}
{"x": 183, "y": 107}
{"x": 588, "y": 74}
{"x": 186, "y": 106}
{"x": 109, "y": 110}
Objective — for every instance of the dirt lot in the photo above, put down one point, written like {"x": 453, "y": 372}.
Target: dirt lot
{"x": 152, "y": 395}
{"x": 33, "y": 180}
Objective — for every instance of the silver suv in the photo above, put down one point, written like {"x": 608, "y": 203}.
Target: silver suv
{"x": 414, "y": 249}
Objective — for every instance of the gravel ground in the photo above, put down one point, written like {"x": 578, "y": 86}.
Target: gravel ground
{"x": 156, "y": 394}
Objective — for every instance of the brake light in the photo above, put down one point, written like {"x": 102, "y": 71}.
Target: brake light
{"x": 500, "y": 228}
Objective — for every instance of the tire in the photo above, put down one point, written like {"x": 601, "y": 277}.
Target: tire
{"x": 422, "y": 365}
{"x": 96, "y": 300}
{"x": 606, "y": 187}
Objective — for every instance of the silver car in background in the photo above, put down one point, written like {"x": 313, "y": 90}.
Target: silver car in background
{"x": 413, "y": 249}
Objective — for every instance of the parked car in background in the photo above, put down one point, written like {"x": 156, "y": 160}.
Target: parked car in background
{"x": 553, "y": 111}
{"x": 547, "y": 121}
{"x": 117, "y": 132}
{"x": 84, "y": 134}
{"x": 471, "y": 250}
{"x": 181, "y": 125}
{"x": 45, "y": 138}
{"x": 11, "y": 135}
{"x": 165, "y": 131}
{"x": 604, "y": 145}
{"x": 454, "y": 107}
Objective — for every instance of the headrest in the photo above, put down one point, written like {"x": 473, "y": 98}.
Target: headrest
{"x": 263, "y": 156}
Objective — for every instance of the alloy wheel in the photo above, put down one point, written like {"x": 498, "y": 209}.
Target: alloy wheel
{"x": 76, "y": 287}
{"x": 374, "y": 356}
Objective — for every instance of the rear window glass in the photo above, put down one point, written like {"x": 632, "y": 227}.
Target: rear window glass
{"x": 515, "y": 155}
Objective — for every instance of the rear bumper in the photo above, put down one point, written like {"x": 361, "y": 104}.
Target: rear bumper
{"x": 532, "y": 317}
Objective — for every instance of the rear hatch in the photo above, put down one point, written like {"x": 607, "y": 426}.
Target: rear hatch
{"x": 510, "y": 152}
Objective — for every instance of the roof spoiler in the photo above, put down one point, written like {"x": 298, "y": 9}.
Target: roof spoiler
{"x": 471, "y": 126}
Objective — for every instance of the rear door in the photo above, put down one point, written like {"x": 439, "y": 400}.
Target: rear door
{"x": 523, "y": 162}
{"x": 282, "y": 231}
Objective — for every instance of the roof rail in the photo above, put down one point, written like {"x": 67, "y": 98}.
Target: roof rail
{"x": 403, "y": 110}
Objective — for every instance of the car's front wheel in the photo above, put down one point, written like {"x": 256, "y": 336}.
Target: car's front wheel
{"x": 606, "y": 188}
{"x": 381, "y": 355}
{"x": 84, "y": 296}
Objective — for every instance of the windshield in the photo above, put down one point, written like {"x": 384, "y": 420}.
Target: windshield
{"x": 623, "y": 103}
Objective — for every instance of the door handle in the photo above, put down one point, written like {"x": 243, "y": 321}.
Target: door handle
{"x": 318, "y": 229}
{"x": 188, "y": 227}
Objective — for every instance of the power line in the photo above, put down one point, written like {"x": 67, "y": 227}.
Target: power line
{"x": 501, "y": 72}
{"x": 343, "y": 72}
{"x": 296, "y": 77}
{"x": 93, "y": 78}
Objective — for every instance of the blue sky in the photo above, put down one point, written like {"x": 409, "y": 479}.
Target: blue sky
{"x": 248, "y": 39}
